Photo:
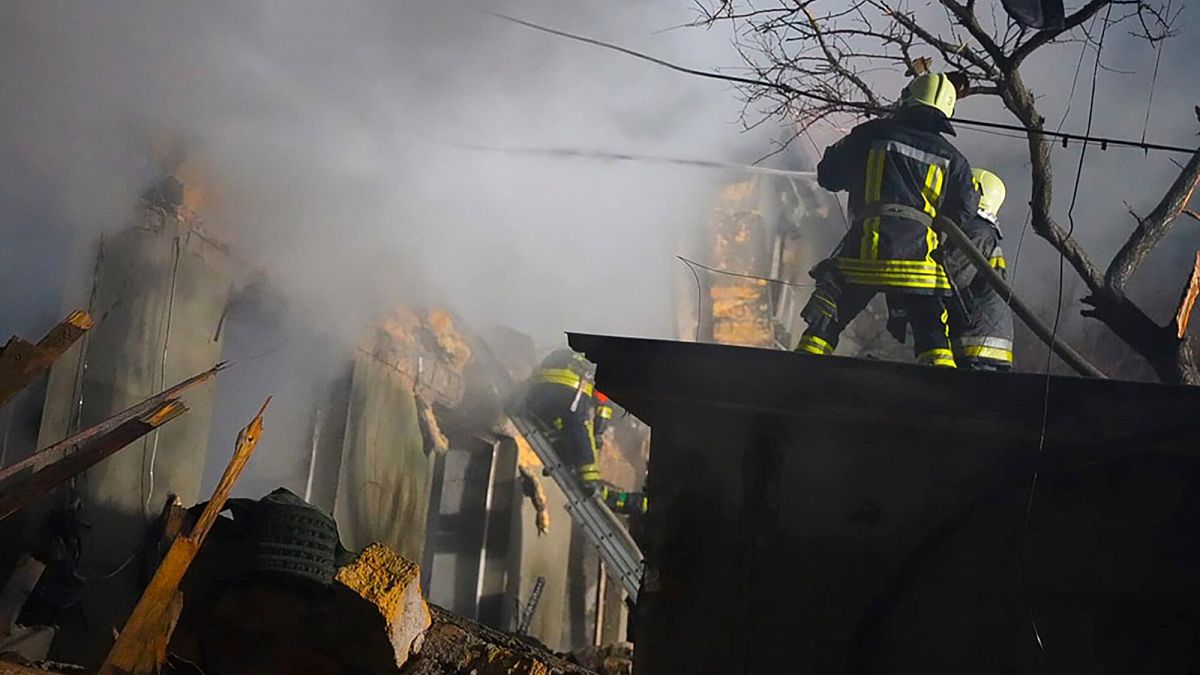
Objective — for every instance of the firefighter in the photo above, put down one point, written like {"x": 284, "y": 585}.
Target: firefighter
{"x": 901, "y": 175}
{"x": 604, "y": 415}
{"x": 560, "y": 395}
{"x": 981, "y": 326}
{"x": 624, "y": 502}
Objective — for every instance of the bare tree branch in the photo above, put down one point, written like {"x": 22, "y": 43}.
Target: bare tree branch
{"x": 1041, "y": 38}
{"x": 835, "y": 61}
{"x": 1151, "y": 229}
{"x": 947, "y": 50}
{"x": 966, "y": 17}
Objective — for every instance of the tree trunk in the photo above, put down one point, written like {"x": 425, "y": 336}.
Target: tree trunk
{"x": 1172, "y": 359}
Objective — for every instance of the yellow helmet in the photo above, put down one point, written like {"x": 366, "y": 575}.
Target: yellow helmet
{"x": 991, "y": 192}
{"x": 931, "y": 89}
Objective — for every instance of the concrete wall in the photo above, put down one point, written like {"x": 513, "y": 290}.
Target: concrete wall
{"x": 545, "y": 556}
{"x": 384, "y": 477}
{"x": 463, "y": 510}
{"x": 158, "y": 291}
{"x": 485, "y": 553}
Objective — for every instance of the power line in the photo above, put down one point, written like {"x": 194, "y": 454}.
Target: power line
{"x": 583, "y": 153}
{"x": 693, "y": 263}
{"x": 1103, "y": 141}
{"x": 1057, "y": 317}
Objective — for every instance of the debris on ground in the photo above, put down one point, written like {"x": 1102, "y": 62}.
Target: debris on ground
{"x": 611, "y": 659}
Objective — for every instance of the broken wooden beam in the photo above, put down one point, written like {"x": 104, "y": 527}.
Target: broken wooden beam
{"x": 141, "y": 647}
{"x": 21, "y": 362}
{"x": 27, "y": 480}
{"x": 34, "y": 476}
{"x": 1187, "y": 301}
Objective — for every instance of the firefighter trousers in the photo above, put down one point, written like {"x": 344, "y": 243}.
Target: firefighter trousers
{"x": 569, "y": 416}
{"x": 833, "y": 306}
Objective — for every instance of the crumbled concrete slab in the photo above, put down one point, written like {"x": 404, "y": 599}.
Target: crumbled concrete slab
{"x": 393, "y": 585}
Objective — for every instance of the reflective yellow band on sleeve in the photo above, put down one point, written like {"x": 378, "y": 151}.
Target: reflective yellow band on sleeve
{"x": 605, "y": 412}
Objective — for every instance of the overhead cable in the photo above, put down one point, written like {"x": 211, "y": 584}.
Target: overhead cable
{"x": 583, "y": 153}
{"x": 1065, "y": 137}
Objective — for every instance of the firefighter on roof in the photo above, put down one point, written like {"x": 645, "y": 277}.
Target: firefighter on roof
{"x": 981, "y": 326}
{"x": 901, "y": 175}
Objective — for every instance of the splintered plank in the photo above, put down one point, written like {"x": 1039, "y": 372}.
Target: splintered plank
{"x": 1190, "y": 292}
{"x": 21, "y": 361}
{"x": 141, "y": 647}
{"x": 37, "y": 474}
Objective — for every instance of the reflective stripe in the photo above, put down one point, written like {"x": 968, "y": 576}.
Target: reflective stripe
{"x": 869, "y": 250}
{"x": 605, "y": 412}
{"x": 918, "y": 154}
{"x": 993, "y": 353}
{"x": 893, "y": 281}
{"x": 565, "y": 377}
{"x": 904, "y": 273}
{"x": 985, "y": 341}
{"x": 645, "y": 504}
{"x": 898, "y": 264}
{"x": 820, "y": 297}
{"x": 998, "y": 263}
{"x": 932, "y": 192}
{"x": 589, "y": 472}
{"x": 814, "y": 345}
{"x": 943, "y": 358}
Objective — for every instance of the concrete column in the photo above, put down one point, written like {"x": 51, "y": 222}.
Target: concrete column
{"x": 158, "y": 290}
{"x": 384, "y": 478}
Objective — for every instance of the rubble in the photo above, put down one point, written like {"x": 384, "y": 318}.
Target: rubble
{"x": 31, "y": 642}
{"x": 611, "y": 659}
{"x": 393, "y": 585}
{"x": 455, "y": 645}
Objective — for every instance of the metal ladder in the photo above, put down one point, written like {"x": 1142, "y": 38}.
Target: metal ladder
{"x": 620, "y": 553}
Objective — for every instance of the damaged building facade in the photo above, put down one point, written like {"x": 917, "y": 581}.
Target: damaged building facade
{"x": 406, "y": 445}
{"x": 398, "y": 496}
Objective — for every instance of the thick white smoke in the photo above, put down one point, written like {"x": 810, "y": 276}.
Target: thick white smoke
{"x": 330, "y": 140}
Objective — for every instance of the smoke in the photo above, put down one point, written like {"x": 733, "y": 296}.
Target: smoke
{"x": 330, "y": 143}
{"x": 333, "y": 147}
